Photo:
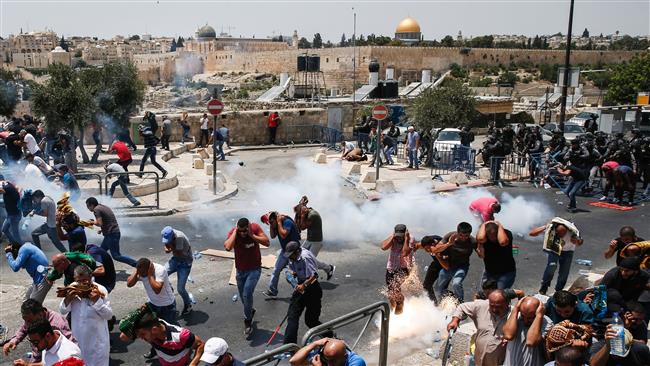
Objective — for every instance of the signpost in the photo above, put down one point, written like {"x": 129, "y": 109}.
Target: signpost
{"x": 215, "y": 107}
{"x": 379, "y": 113}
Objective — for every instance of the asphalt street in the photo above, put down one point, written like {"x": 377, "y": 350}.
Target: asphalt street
{"x": 360, "y": 264}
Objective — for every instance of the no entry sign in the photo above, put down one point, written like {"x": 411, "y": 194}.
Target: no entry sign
{"x": 215, "y": 106}
{"x": 380, "y": 112}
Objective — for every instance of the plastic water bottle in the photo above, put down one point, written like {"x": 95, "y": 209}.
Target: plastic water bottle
{"x": 192, "y": 299}
{"x": 26, "y": 222}
{"x": 617, "y": 344}
{"x": 235, "y": 297}
{"x": 28, "y": 357}
{"x": 197, "y": 255}
{"x": 584, "y": 262}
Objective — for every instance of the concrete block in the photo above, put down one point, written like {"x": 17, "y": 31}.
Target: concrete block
{"x": 208, "y": 168}
{"x": 198, "y": 164}
{"x": 220, "y": 185}
{"x": 484, "y": 173}
{"x": 221, "y": 176}
{"x": 190, "y": 145}
{"x": 177, "y": 151}
{"x": 385, "y": 186}
{"x": 320, "y": 158}
{"x": 204, "y": 153}
{"x": 323, "y": 151}
{"x": 368, "y": 177}
{"x": 186, "y": 193}
{"x": 350, "y": 169}
{"x": 457, "y": 178}
{"x": 196, "y": 156}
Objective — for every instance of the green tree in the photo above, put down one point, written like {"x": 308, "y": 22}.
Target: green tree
{"x": 318, "y": 41}
{"x": 482, "y": 42}
{"x": 8, "y": 93}
{"x": 328, "y": 44}
{"x": 509, "y": 78}
{"x": 63, "y": 43}
{"x": 304, "y": 43}
{"x": 458, "y": 71}
{"x": 344, "y": 42}
{"x": 628, "y": 79}
{"x": 179, "y": 42}
{"x": 449, "y": 105}
{"x": 448, "y": 41}
{"x": 172, "y": 47}
{"x": 585, "y": 33}
{"x": 134, "y": 37}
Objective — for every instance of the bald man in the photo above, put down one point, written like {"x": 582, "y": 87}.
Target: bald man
{"x": 63, "y": 265}
{"x": 329, "y": 351}
{"x": 488, "y": 317}
{"x": 525, "y": 331}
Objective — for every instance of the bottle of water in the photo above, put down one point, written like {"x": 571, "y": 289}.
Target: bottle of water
{"x": 617, "y": 344}
{"x": 29, "y": 357}
{"x": 197, "y": 255}
{"x": 26, "y": 222}
{"x": 584, "y": 262}
{"x": 235, "y": 297}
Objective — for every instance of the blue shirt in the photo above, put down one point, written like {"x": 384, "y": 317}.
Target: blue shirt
{"x": 29, "y": 257}
{"x": 412, "y": 139}
{"x": 581, "y": 315}
{"x": 305, "y": 266}
{"x": 70, "y": 182}
{"x": 352, "y": 359}
{"x": 294, "y": 234}
{"x": 77, "y": 235}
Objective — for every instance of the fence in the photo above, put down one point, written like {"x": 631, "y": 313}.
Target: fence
{"x": 84, "y": 181}
{"x": 447, "y": 158}
{"x": 144, "y": 189}
{"x": 276, "y": 355}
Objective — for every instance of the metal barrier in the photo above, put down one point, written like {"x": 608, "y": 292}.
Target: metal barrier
{"x": 326, "y": 135}
{"x": 507, "y": 168}
{"x": 296, "y": 134}
{"x": 141, "y": 175}
{"x": 451, "y": 157}
{"x": 88, "y": 177}
{"x": 275, "y": 355}
{"x": 366, "y": 312}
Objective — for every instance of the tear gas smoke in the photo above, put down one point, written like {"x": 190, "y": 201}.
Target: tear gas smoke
{"x": 424, "y": 213}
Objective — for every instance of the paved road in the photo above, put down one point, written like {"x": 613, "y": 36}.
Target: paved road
{"x": 360, "y": 264}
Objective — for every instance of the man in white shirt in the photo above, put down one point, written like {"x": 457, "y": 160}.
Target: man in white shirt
{"x": 30, "y": 143}
{"x": 205, "y": 131}
{"x": 54, "y": 345}
{"x": 39, "y": 163}
{"x": 90, "y": 311}
{"x": 156, "y": 283}
{"x": 121, "y": 180}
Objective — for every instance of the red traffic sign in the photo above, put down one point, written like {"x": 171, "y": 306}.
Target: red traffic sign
{"x": 380, "y": 112}
{"x": 215, "y": 106}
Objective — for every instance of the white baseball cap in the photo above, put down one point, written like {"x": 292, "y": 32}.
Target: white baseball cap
{"x": 214, "y": 348}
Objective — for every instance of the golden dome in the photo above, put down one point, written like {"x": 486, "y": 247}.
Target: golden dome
{"x": 408, "y": 25}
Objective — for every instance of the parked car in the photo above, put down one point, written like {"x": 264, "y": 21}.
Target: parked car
{"x": 446, "y": 139}
{"x": 582, "y": 117}
{"x": 571, "y": 130}
{"x": 403, "y": 130}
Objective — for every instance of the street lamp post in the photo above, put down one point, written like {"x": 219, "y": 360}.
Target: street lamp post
{"x": 567, "y": 65}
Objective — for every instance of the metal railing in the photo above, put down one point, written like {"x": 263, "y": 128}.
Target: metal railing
{"x": 88, "y": 177}
{"x": 140, "y": 175}
{"x": 365, "y": 312}
{"x": 275, "y": 355}
{"x": 447, "y": 158}
{"x": 296, "y": 134}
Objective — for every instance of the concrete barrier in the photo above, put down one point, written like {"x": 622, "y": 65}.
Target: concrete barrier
{"x": 484, "y": 173}
{"x": 186, "y": 193}
{"x": 221, "y": 186}
{"x": 385, "y": 186}
{"x": 198, "y": 164}
{"x": 177, "y": 151}
{"x": 204, "y": 153}
{"x": 320, "y": 158}
{"x": 350, "y": 169}
{"x": 208, "y": 168}
{"x": 458, "y": 178}
{"x": 368, "y": 177}
{"x": 221, "y": 176}
{"x": 196, "y": 156}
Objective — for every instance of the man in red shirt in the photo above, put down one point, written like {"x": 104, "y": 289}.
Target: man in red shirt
{"x": 123, "y": 155}
{"x": 274, "y": 122}
{"x": 246, "y": 239}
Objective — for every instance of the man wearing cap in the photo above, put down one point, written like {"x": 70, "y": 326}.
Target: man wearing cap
{"x": 285, "y": 229}
{"x": 176, "y": 242}
{"x": 215, "y": 352}
{"x": 326, "y": 351}
{"x": 627, "y": 279}
{"x": 246, "y": 239}
{"x": 308, "y": 293}
{"x": 412, "y": 146}
{"x": 400, "y": 259}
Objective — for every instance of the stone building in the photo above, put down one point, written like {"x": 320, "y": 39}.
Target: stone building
{"x": 41, "y": 60}
{"x": 206, "y": 41}
{"x": 408, "y": 31}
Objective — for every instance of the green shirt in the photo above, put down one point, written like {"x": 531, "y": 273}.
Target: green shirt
{"x": 315, "y": 229}
{"x": 75, "y": 258}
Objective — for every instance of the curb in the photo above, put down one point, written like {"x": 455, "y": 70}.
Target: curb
{"x": 271, "y": 147}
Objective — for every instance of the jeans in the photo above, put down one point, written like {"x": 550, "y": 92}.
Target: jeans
{"x": 125, "y": 164}
{"x": 503, "y": 280}
{"x": 122, "y": 181}
{"x": 246, "y": 283}
{"x": 206, "y": 134}
{"x": 430, "y": 278}
{"x": 185, "y": 135}
{"x": 280, "y": 263}
{"x": 182, "y": 270}
{"x": 11, "y": 228}
{"x": 456, "y": 276}
{"x": 564, "y": 260}
{"x": 310, "y": 302}
{"x": 495, "y": 168}
{"x": 219, "y": 149}
{"x": 388, "y": 151}
{"x": 413, "y": 158}
{"x": 272, "y": 132}
{"x": 166, "y": 313}
{"x": 572, "y": 189}
{"x": 51, "y": 233}
{"x": 111, "y": 243}
{"x": 151, "y": 153}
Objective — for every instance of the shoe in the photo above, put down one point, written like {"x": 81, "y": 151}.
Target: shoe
{"x": 186, "y": 310}
{"x": 136, "y": 204}
{"x": 269, "y": 294}
{"x": 331, "y": 272}
{"x": 150, "y": 355}
{"x": 603, "y": 198}
{"x": 572, "y": 209}
{"x": 615, "y": 201}
{"x": 164, "y": 175}
{"x": 248, "y": 327}
{"x": 542, "y": 291}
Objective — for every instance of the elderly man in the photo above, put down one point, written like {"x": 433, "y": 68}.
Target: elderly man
{"x": 488, "y": 316}
{"x": 216, "y": 352}
{"x": 326, "y": 351}
{"x": 30, "y": 257}
{"x": 64, "y": 265}
{"x": 31, "y": 311}
{"x": 176, "y": 243}
{"x": 525, "y": 331}
{"x": 88, "y": 304}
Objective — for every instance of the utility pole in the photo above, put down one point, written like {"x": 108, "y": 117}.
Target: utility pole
{"x": 567, "y": 66}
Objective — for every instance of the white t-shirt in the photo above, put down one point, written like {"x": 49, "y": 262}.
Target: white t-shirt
{"x": 32, "y": 171}
{"x": 349, "y": 146}
{"x": 62, "y": 349}
{"x": 42, "y": 165}
{"x": 204, "y": 123}
{"x": 166, "y": 295}
{"x": 30, "y": 141}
